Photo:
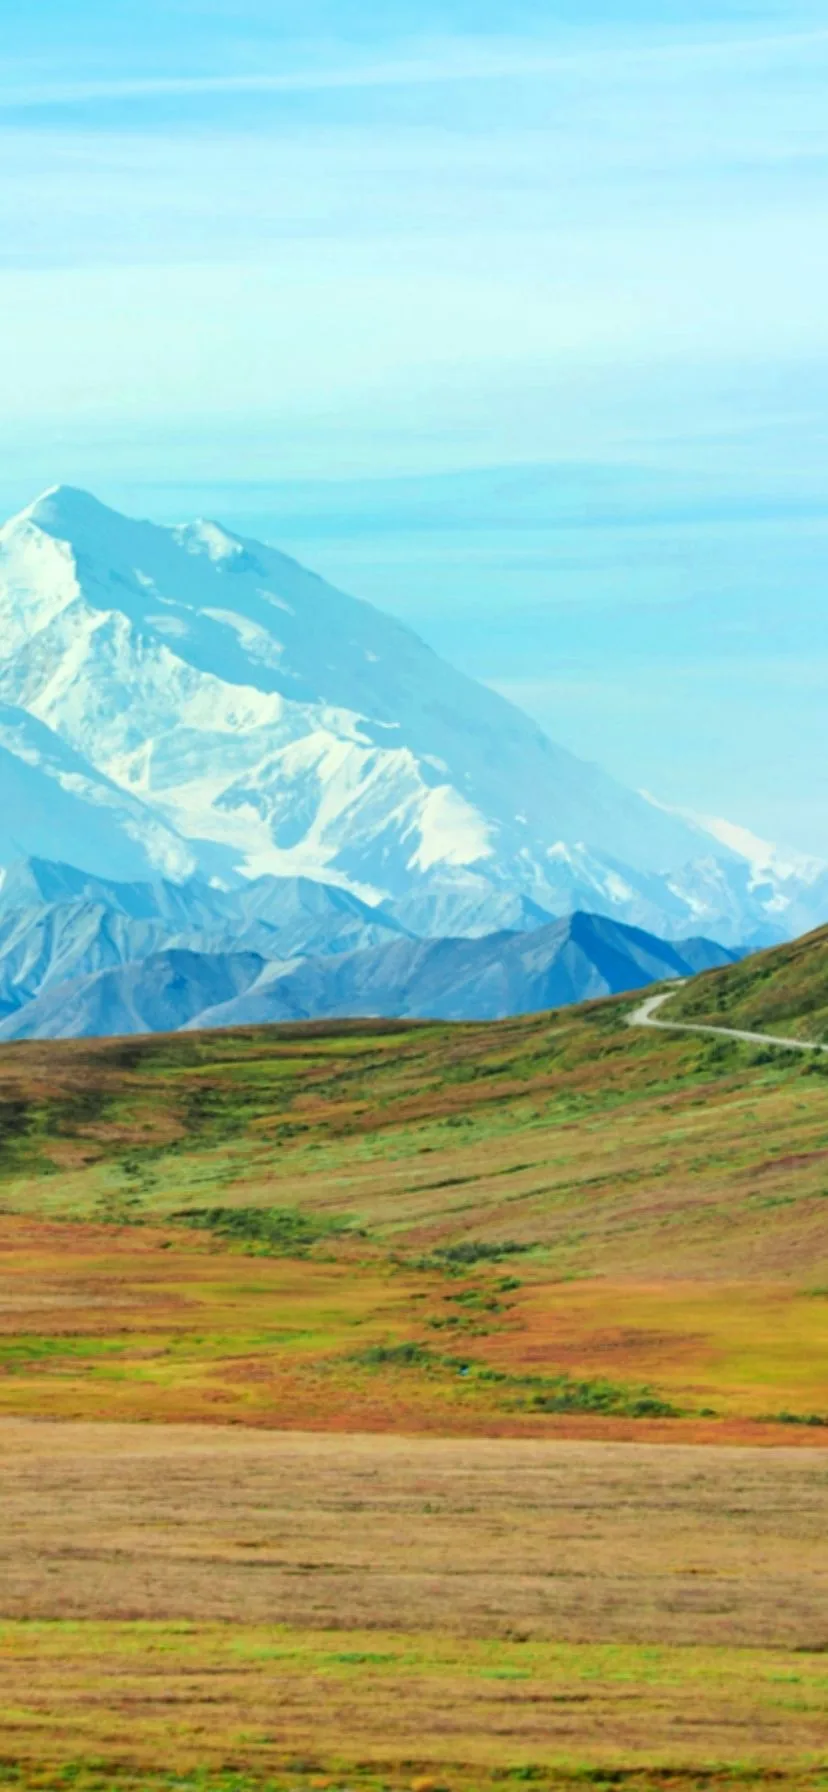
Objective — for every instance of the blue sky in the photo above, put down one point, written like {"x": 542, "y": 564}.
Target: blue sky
{"x": 513, "y": 319}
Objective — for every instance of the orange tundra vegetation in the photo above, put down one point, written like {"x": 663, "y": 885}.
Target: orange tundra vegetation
{"x": 512, "y": 1271}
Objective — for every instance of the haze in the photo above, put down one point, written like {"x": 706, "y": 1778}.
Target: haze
{"x": 515, "y": 324}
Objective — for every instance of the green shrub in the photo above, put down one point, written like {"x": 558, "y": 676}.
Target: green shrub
{"x": 275, "y": 1231}
{"x": 798, "y": 1418}
{"x": 537, "y": 1393}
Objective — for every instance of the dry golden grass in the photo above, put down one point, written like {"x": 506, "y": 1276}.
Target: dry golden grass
{"x": 556, "y": 1541}
{"x": 481, "y": 1594}
{"x": 184, "y": 1596}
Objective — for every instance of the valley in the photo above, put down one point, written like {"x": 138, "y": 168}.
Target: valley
{"x": 399, "y": 1405}
{"x": 554, "y": 1222}
{"x": 412, "y": 1375}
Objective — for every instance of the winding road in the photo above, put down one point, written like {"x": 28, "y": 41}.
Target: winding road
{"x": 643, "y": 1016}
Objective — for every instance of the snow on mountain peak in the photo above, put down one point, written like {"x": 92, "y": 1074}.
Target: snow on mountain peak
{"x": 765, "y": 858}
{"x": 64, "y": 506}
{"x": 256, "y": 719}
{"x": 205, "y": 537}
{"x": 67, "y": 515}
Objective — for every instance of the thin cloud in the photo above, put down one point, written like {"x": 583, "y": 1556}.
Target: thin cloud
{"x": 446, "y": 63}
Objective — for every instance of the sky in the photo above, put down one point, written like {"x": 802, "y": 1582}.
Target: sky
{"x": 513, "y": 319}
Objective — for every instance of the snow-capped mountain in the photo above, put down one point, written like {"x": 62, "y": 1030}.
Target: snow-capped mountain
{"x": 52, "y": 799}
{"x": 182, "y": 701}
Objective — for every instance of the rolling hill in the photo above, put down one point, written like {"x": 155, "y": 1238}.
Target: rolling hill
{"x": 549, "y": 1220}
{"x": 784, "y": 991}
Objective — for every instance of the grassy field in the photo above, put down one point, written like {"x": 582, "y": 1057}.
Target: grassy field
{"x": 550, "y": 1223}
{"x": 547, "y": 1302}
{"x": 403, "y": 1608}
{"x": 147, "y": 1324}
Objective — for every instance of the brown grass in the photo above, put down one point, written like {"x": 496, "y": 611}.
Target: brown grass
{"x": 490, "y": 1591}
{"x": 575, "y": 1542}
{"x": 190, "y": 1595}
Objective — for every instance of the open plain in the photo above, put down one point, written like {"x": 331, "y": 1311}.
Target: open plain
{"x": 182, "y": 1596}
{"x": 415, "y": 1405}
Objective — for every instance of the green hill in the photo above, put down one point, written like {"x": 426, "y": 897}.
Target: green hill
{"x": 428, "y": 1226}
{"x": 784, "y": 990}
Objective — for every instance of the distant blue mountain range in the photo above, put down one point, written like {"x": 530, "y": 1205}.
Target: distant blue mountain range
{"x": 85, "y": 956}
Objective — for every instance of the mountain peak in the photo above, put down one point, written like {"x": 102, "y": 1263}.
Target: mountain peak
{"x": 61, "y": 507}
{"x": 242, "y": 716}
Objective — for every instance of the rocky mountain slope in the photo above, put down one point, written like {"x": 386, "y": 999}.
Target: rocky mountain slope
{"x": 182, "y": 701}
{"x": 563, "y": 962}
{"x": 58, "y": 923}
{"x": 157, "y": 995}
{"x": 574, "y": 960}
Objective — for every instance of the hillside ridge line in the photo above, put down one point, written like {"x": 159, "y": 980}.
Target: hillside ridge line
{"x": 643, "y": 1017}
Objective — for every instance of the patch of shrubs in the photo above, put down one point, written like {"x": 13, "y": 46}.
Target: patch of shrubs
{"x": 603, "y": 1397}
{"x": 536, "y": 1393}
{"x": 481, "y": 1252}
{"x": 401, "y": 1356}
{"x": 17, "y": 1120}
{"x": 722, "y": 1054}
{"x": 816, "y": 1419}
{"x": 272, "y": 1231}
{"x": 459, "y": 1257}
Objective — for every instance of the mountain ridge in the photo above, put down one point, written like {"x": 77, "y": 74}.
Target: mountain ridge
{"x": 233, "y": 715}
{"x": 506, "y": 973}
{"x": 58, "y": 923}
